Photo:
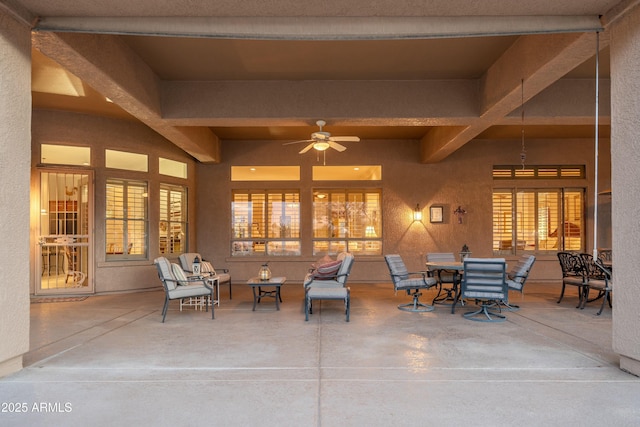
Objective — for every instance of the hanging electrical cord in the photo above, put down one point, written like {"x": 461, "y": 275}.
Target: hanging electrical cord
{"x": 523, "y": 153}
{"x": 596, "y": 143}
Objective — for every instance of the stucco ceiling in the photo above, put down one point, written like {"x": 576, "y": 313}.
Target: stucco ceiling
{"x": 174, "y": 66}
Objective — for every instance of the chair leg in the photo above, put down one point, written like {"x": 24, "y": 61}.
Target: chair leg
{"x": 165, "y": 308}
{"x": 307, "y": 305}
{"x": 416, "y": 305}
{"x": 348, "y": 303}
{"x": 561, "y": 294}
{"x": 583, "y": 293}
{"x": 230, "y": 289}
{"x": 510, "y": 307}
{"x": 607, "y": 296}
{"x": 484, "y": 310}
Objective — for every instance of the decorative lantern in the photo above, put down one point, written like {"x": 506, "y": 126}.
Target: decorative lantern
{"x": 195, "y": 266}
{"x": 464, "y": 252}
{"x": 265, "y": 273}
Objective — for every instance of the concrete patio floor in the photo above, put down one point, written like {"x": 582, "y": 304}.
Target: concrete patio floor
{"x": 108, "y": 360}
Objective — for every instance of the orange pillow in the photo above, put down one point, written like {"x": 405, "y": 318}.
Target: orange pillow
{"x": 327, "y": 271}
{"x": 324, "y": 260}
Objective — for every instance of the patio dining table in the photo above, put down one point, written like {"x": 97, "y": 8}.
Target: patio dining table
{"x": 457, "y": 268}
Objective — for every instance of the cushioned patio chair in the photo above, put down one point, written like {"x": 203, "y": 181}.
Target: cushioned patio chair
{"x": 574, "y": 273}
{"x": 411, "y": 282}
{"x": 517, "y": 277}
{"x": 447, "y": 277}
{"x": 180, "y": 288}
{"x": 484, "y": 280}
{"x": 598, "y": 279}
{"x": 186, "y": 261}
{"x": 329, "y": 284}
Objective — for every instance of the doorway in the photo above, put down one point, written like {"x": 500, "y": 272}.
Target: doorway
{"x": 64, "y": 255}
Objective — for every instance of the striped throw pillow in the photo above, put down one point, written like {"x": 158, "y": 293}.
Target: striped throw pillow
{"x": 178, "y": 273}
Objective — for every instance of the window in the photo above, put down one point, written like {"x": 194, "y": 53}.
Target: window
{"x": 347, "y": 173}
{"x": 173, "y": 219}
{"x": 126, "y": 219}
{"x": 538, "y": 172}
{"x": 127, "y": 161}
{"x": 538, "y": 220}
{"x": 172, "y": 168}
{"x": 265, "y": 173}
{"x": 347, "y": 220}
{"x": 65, "y": 155}
{"x": 265, "y": 222}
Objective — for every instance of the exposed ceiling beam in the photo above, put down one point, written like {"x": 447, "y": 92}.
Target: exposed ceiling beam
{"x": 113, "y": 69}
{"x": 440, "y": 103}
{"x": 323, "y": 28}
{"x": 538, "y": 60}
{"x": 18, "y": 12}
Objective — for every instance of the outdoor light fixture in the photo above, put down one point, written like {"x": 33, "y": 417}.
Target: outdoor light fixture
{"x": 417, "y": 213}
{"x": 321, "y": 146}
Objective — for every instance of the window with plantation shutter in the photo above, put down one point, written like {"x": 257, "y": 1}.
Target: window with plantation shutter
{"x": 538, "y": 220}
{"x": 265, "y": 222}
{"x": 173, "y": 219}
{"x": 126, "y": 220}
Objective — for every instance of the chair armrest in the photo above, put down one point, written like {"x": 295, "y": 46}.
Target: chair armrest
{"x": 423, "y": 273}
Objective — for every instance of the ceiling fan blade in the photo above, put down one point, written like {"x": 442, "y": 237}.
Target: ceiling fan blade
{"x": 307, "y": 148}
{"x": 297, "y": 142}
{"x": 337, "y": 146}
{"x": 345, "y": 138}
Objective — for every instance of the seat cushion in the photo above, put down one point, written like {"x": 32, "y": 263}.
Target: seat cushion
{"x": 416, "y": 283}
{"x": 598, "y": 284}
{"x": 192, "y": 290}
{"x": 164, "y": 269}
{"x": 207, "y": 269}
{"x": 327, "y": 293}
{"x": 513, "y": 284}
{"x": 223, "y": 277}
{"x": 575, "y": 281}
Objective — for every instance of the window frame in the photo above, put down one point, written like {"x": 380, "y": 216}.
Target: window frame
{"x": 253, "y": 231}
{"x": 366, "y": 243}
{"x": 118, "y": 252}
{"x": 561, "y": 221}
{"x": 170, "y": 225}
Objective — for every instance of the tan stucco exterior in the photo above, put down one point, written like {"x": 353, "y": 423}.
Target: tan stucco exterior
{"x": 461, "y": 179}
{"x": 15, "y": 160}
{"x": 625, "y": 91}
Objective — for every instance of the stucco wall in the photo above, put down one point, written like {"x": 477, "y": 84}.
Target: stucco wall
{"x": 100, "y": 133}
{"x": 15, "y": 117}
{"x": 462, "y": 179}
{"x": 625, "y": 92}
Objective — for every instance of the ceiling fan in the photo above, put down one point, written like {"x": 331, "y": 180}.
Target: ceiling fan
{"x": 322, "y": 140}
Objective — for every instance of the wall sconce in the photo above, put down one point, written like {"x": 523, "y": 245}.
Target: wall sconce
{"x": 417, "y": 213}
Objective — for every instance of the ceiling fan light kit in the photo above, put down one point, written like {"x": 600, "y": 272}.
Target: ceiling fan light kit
{"x": 321, "y": 146}
{"x": 321, "y": 140}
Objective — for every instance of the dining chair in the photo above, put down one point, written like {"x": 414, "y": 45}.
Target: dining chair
{"x": 484, "y": 280}
{"x": 574, "y": 273}
{"x": 411, "y": 282}
{"x": 517, "y": 277}
{"x": 598, "y": 279}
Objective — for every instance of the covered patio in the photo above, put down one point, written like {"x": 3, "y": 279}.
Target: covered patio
{"x": 108, "y": 360}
